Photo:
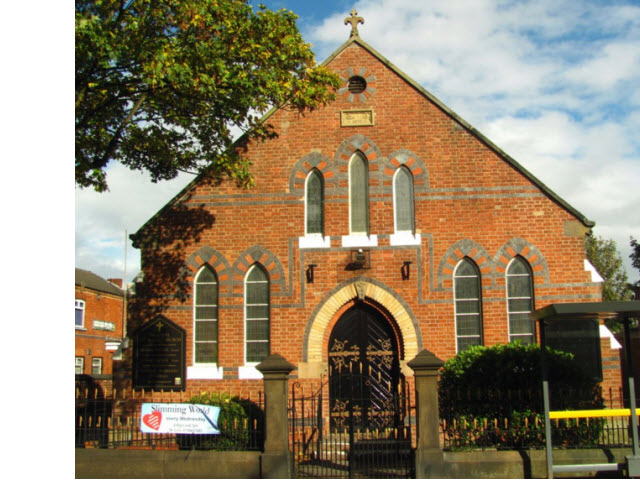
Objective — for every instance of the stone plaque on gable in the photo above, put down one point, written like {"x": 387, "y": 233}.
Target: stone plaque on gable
{"x": 159, "y": 355}
{"x": 356, "y": 118}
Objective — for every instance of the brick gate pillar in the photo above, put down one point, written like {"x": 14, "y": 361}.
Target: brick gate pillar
{"x": 275, "y": 462}
{"x": 429, "y": 457}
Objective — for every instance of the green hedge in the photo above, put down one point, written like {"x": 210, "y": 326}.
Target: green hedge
{"x": 503, "y": 383}
{"x": 234, "y": 423}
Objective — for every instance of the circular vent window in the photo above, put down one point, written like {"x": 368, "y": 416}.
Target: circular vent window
{"x": 357, "y": 84}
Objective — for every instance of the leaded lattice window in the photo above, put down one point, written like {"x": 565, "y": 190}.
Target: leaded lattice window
{"x": 206, "y": 316}
{"x": 257, "y": 315}
{"x": 468, "y": 304}
{"x": 403, "y": 200}
{"x": 314, "y": 203}
{"x": 520, "y": 301}
{"x": 359, "y": 195}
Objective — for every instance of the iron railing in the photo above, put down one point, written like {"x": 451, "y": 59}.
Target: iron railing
{"x": 114, "y": 422}
{"x": 518, "y": 429}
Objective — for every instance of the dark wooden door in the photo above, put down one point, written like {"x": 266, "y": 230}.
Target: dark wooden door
{"x": 363, "y": 370}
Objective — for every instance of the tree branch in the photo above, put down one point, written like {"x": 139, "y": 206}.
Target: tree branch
{"x": 116, "y": 136}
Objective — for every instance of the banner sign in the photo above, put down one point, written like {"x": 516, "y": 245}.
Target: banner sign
{"x": 179, "y": 418}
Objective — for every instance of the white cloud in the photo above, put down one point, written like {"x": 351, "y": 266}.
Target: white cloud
{"x": 614, "y": 63}
{"x": 102, "y": 219}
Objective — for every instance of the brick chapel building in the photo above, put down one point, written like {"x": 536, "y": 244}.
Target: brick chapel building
{"x": 380, "y": 225}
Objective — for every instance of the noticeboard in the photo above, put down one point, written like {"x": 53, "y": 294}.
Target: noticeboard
{"x": 581, "y": 337}
{"x": 159, "y": 355}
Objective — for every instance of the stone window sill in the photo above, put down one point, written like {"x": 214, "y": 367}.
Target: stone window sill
{"x": 350, "y": 241}
{"x": 404, "y": 238}
{"x": 249, "y": 372}
{"x": 314, "y": 241}
{"x": 204, "y": 372}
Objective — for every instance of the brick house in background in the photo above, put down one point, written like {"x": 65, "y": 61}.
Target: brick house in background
{"x": 99, "y": 312}
{"x": 378, "y": 226}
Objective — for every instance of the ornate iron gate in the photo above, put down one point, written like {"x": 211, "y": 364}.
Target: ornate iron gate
{"x": 356, "y": 424}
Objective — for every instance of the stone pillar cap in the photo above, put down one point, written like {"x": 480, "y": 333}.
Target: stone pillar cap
{"x": 275, "y": 363}
{"x": 425, "y": 360}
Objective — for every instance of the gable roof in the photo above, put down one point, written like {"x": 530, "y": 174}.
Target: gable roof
{"x": 472, "y": 130}
{"x": 87, "y": 279}
{"x": 467, "y": 126}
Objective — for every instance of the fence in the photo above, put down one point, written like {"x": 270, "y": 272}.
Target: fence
{"x": 525, "y": 428}
{"x": 528, "y": 432}
{"x": 114, "y": 422}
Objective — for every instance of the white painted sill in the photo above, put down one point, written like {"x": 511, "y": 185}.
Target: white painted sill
{"x": 404, "y": 238}
{"x": 204, "y": 372}
{"x": 351, "y": 241}
{"x": 314, "y": 241}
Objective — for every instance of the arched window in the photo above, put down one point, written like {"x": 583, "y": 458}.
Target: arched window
{"x": 403, "y": 202}
{"x": 256, "y": 314}
{"x": 468, "y": 304}
{"x": 520, "y": 301}
{"x": 205, "y": 317}
{"x": 314, "y": 203}
{"x": 358, "y": 195}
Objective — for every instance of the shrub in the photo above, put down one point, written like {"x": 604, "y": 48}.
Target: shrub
{"x": 233, "y": 423}
{"x": 504, "y": 383}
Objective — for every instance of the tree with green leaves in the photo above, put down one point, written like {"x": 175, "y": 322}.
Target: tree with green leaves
{"x": 165, "y": 85}
{"x": 635, "y": 257}
{"x": 604, "y": 256}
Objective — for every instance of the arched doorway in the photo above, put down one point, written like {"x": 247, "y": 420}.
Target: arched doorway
{"x": 364, "y": 371}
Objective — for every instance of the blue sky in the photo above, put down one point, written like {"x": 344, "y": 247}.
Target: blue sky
{"x": 554, "y": 83}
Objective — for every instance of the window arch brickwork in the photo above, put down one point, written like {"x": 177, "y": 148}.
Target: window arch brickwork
{"x": 451, "y": 258}
{"x": 410, "y": 160}
{"x": 270, "y": 263}
{"x": 210, "y": 256}
{"x": 303, "y": 167}
{"x": 519, "y": 246}
{"x": 370, "y": 151}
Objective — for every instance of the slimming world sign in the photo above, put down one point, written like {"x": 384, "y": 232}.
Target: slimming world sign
{"x": 179, "y": 418}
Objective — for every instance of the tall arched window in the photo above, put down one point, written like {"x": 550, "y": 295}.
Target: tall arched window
{"x": 314, "y": 203}
{"x": 358, "y": 195}
{"x": 468, "y": 304}
{"x": 520, "y": 301}
{"x": 205, "y": 316}
{"x": 403, "y": 202}
{"x": 256, "y": 314}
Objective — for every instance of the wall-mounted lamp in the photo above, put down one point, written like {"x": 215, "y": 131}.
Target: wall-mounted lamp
{"x": 310, "y": 272}
{"x": 360, "y": 259}
{"x": 405, "y": 270}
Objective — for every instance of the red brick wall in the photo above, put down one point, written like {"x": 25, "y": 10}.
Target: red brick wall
{"x": 468, "y": 201}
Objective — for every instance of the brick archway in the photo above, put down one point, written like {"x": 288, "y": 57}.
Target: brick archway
{"x": 313, "y": 361}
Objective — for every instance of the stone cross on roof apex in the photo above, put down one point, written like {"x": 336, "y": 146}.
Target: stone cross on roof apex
{"x": 354, "y": 20}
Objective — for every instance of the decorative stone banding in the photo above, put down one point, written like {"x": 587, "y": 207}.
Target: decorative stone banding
{"x": 313, "y": 347}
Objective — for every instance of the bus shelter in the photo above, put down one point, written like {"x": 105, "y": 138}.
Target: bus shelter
{"x": 577, "y": 326}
